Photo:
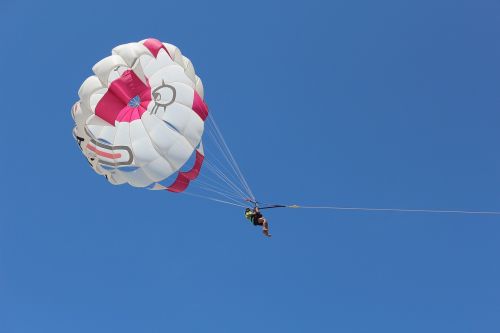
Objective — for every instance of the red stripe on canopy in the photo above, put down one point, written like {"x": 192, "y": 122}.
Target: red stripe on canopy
{"x": 199, "y": 106}
{"x": 114, "y": 105}
{"x": 154, "y": 46}
{"x": 185, "y": 177}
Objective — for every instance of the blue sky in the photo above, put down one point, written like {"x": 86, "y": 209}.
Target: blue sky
{"x": 363, "y": 103}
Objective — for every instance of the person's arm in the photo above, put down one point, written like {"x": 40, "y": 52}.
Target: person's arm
{"x": 256, "y": 209}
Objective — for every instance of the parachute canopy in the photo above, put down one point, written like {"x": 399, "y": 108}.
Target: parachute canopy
{"x": 141, "y": 117}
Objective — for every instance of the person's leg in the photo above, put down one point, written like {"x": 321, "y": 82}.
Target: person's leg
{"x": 265, "y": 226}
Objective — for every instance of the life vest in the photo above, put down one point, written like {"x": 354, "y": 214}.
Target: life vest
{"x": 249, "y": 215}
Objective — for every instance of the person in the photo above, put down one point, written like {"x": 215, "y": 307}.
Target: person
{"x": 255, "y": 216}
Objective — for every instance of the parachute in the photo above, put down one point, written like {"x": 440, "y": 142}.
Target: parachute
{"x": 141, "y": 118}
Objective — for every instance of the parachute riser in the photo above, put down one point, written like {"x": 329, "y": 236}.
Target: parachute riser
{"x": 256, "y": 205}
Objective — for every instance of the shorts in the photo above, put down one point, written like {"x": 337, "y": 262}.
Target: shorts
{"x": 256, "y": 218}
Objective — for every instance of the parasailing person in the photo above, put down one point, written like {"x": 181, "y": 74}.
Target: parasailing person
{"x": 256, "y": 217}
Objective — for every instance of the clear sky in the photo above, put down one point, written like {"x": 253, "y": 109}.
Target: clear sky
{"x": 364, "y": 103}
